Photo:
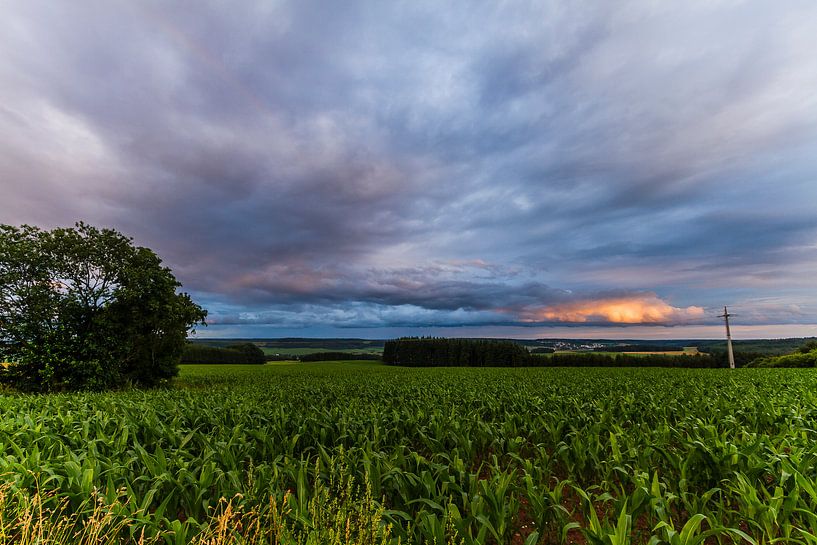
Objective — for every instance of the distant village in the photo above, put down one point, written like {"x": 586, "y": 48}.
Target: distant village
{"x": 573, "y": 345}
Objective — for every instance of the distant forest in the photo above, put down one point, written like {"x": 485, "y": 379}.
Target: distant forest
{"x": 440, "y": 352}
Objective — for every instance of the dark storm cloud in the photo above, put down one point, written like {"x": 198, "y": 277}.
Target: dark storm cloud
{"x": 372, "y": 164}
{"x": 444, "y": 286}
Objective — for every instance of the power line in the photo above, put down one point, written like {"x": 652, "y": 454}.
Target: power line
{"x": 725, "y": 317}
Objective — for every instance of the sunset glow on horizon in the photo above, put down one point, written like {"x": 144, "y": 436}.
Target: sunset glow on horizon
{"x": 646, "y": 309}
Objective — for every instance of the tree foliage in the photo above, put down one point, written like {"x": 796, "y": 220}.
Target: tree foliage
{"x": 809, "y": 346}
{"x": 805, "y": 356}
{"x": 83, "y": 308}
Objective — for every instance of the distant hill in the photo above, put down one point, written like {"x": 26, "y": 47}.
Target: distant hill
{"x": 300, "y": 346}
{"x": 296, "y": 347}
{"x": 289, "y": 342}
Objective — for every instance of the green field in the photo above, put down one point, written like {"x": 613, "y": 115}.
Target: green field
{"x": 364, "y": 453}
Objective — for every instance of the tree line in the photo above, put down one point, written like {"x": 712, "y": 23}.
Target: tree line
{"x": 442, "y": 352}
{"x": 589, "y": 359}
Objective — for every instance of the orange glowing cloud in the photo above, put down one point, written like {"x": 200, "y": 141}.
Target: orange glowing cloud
{"x": 632, "y": 309}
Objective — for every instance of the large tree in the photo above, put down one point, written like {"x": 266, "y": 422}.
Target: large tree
{"x": 84, "y": 308}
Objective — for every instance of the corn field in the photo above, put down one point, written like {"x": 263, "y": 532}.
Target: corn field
{"x": 365, "y": 453}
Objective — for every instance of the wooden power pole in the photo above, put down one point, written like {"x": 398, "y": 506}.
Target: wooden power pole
{"x": 725, "y": 317}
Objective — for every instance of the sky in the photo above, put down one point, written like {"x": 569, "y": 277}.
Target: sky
{"x": 376, "y": 169}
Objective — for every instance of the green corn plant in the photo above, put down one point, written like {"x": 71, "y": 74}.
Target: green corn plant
{"x": 600, "y": 533}
{"x": 545, "y": 504}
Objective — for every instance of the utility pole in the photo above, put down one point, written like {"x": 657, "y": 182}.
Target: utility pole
{"x": 725, "y": 317}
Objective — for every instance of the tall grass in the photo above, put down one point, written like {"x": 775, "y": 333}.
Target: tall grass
{"x": 338, "y": 514}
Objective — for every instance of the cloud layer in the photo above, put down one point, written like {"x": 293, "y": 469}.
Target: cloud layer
{"x": 369, "y": 165}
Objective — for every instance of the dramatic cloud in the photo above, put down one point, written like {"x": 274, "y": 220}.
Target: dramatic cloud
{"x": 310, "y": 166}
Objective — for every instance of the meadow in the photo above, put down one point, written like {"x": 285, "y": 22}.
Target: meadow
{"x": 355, "y": 452}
